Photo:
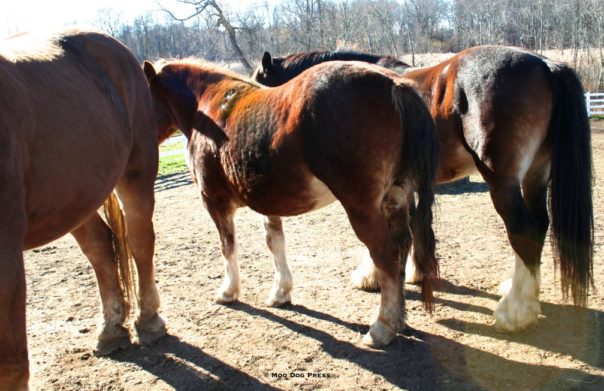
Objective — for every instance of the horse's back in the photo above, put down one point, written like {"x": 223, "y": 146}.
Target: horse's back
{"x": 71, "y": 102}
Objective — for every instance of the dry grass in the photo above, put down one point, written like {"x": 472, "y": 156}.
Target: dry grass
{"x": 588, "y": 66}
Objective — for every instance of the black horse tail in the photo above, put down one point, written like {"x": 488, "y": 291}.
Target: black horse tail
{"x": 572, "y": 230}
{"x": 420, "y": 163}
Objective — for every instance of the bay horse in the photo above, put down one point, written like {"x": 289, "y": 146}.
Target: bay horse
{"x": 343, "y": 131}
{"x": 76, "y": 121}
{"x": 520, "y": 120}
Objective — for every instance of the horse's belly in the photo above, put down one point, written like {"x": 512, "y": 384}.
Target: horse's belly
{"x": 455, "y": 163}
{"x": 320, "y": 193}
{"x": 292, "y": 201}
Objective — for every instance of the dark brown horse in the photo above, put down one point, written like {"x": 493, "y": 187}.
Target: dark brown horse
{"x": 339, "y": 131}
{"x": 520, "y": 120}
{"x": 76, "y": 122}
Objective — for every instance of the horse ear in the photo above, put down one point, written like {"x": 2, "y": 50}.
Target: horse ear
{"x": 267, "y": 61}
{"x": 149, "y": 70}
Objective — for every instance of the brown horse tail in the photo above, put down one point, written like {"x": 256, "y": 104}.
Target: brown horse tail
{"x": 420, "y": 162}
{"x": 572, "y": 231}
{"x": 116, "y": 222}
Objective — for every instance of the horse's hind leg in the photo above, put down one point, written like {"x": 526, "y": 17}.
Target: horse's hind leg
{"x": 223, "y": 213}
{"x": 94, "y": 238}
{"x": 372, "y": 227}
{"x": 136, "y": 194}
{"x": 519, "y": 308}
{"x": 365, "y": 276}
{"x": 275, "y": 240}
{"x": 412, "y": 274}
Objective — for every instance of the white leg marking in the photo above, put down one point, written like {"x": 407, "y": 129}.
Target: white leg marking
{"x": 113, "y": 335}
{"x": 412, "y": 275}
{"x": 229, "y": 291}
{"x": 275, "y": 239}
{"x": 505, "y": 287}
{"x": 519, "y": 308}
{"x": 390, "y": 315}
{"x": 365, "y": 276}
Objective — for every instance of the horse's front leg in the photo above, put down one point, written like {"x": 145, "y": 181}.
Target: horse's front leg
{"x": 94, "y": 238}
{"x": 14, "y": 364}
{"x": 275, "y": 239}
{"x": 223, "y": 212}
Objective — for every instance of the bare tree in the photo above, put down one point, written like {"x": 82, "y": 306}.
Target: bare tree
{"x": 393, "y": 27}
{"x": 109, "y": 20}
{"x": 211, "y": 9}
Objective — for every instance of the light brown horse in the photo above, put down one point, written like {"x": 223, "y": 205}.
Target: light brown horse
{"x": 76, "y": 122}
{"x": 339, "y": 131}
{"x": 520, "y": 120}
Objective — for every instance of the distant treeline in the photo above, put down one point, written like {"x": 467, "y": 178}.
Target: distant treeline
{"x": 400, "y": 28}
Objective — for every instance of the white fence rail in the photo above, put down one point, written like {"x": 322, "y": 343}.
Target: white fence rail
{"x": 595, "y": 103}
{"x": 182, "y": 140}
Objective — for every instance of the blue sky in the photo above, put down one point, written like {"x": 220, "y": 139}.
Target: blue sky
{"x": 27, "y": 15}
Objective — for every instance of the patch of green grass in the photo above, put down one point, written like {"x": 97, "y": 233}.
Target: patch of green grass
{"x": 170, "y": 147}
{"x": 172, "y": 164}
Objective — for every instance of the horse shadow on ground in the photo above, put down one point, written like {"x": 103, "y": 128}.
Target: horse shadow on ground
{"x": 415, "y": 360}
{"x": 462, "y": 186}
{"x": 172, "y": 181}
{"x": 418, "y": 360}
{"x": 561, "y": 330}
{"x": 187, "y": 367}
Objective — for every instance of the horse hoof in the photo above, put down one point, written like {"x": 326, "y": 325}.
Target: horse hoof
{"x": 277, "y": 299}
{"x": 112, "y": 338}
{"x": 379, "y": 335}
{"x": 226, "y": 298}
{"x": 513, "y": 317}
{"x": 150, "y": 329}
{"x": 107, "y": 346}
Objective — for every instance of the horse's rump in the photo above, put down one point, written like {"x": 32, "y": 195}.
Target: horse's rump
{"x": 73, "y": 103}
{"x": 321, "y": 123}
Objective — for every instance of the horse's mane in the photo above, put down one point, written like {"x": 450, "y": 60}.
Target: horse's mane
{"x": 207, "y": 66}
{"x": 302, "y": 61}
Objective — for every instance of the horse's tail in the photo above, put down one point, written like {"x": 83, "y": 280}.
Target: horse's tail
{"x": 420, "y": 162}
{"x": 115, "y": 220}
{"x": 572, "y": 230}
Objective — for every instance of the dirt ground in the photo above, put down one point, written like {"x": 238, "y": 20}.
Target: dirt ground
{"x": 314, "y": 343}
